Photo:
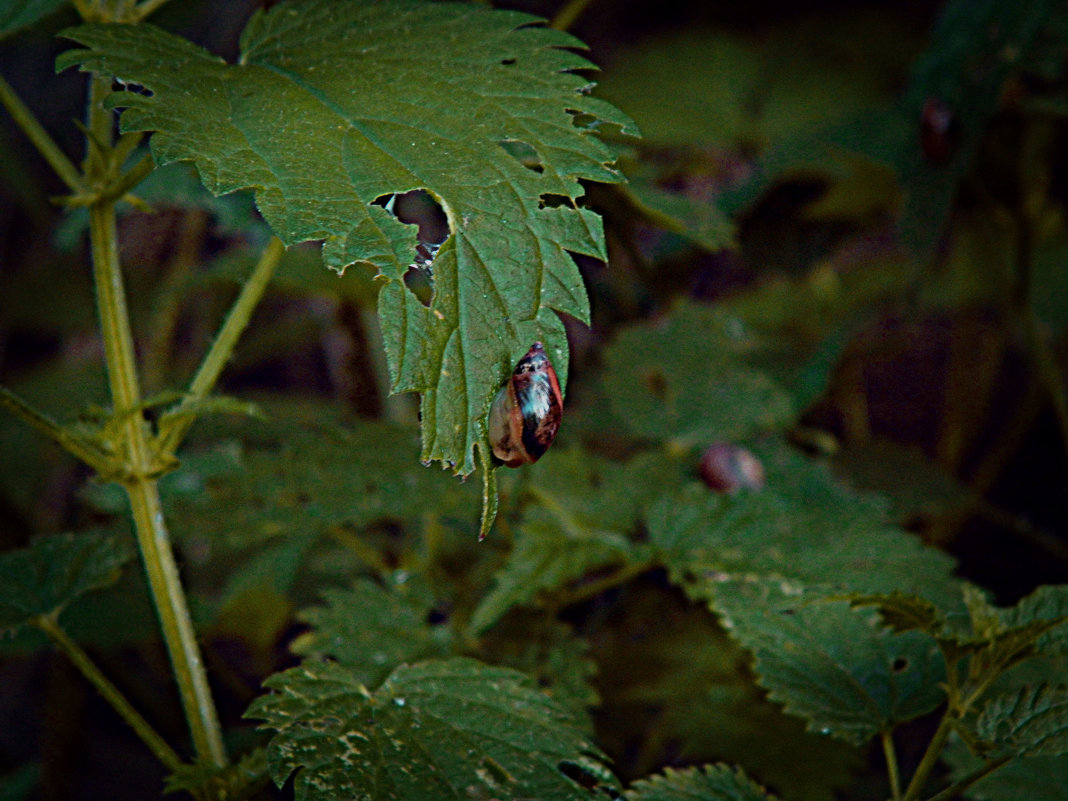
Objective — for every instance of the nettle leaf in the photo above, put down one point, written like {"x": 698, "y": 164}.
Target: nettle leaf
{"x": 687, "y": 377}
{"x": 1033, "y": 721}
{"x": 333, "y": 107}
{"x": 448, "y": 729}
{"x": 371, "y": 629}
{"x": 829, "y": 663}
{"x": 1033, "y": 779}
{"x": 710, "y": 783}
{"x": 54, "y": 571}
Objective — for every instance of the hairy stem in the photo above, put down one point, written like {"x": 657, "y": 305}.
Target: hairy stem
{"x": 149, "y": 736}
{"x": 44, "y": 143}
{"x": 252, "y": 290}
{"x": 140, "y": 462}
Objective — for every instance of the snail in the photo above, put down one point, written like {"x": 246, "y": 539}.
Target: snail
{"x": 526, "y": 413}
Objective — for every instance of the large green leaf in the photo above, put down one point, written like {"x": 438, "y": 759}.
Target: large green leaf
{"x": 829, "y": 663}
{"x": 449, "y": 729}
{"x": 334, "y": 105}
{"x": 53, "y": 571}
{"x": 711, "y": 783}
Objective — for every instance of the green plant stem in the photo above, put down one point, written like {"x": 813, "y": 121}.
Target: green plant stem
{"x": 567, "y": 15}
{"x": 892, "y": 772}
{"x": 141, "y": 465}
{"x": 594, "y": 588}
{"x": 960, "y": 787}
{"x": 215, "y": 360}
{"x": 44, "y": 143}
{"x": 930, "y": 758}
{"x": 156, "y": 744}
{"x": 86, "y": 451}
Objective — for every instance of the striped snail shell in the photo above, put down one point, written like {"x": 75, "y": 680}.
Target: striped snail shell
{"x": 526, "y": 413}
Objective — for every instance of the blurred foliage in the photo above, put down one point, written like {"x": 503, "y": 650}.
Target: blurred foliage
{"x": 841, "y": 248}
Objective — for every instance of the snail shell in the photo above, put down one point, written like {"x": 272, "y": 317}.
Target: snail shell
{"x": 526, "y": 413}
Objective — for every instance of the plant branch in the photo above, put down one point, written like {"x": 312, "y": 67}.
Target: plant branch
{"x": 892, "y": 771}
{"x": 149, "y": 736}
{"x": 141, "y": 465}
{"x": 958, "y": 788}
{"x": 930, "y": 757}
{"x": 129, "y": 179}
{"x": 44, "y": 143}
{"x": 89, "y": 453}
{"x": 252, "y": 290}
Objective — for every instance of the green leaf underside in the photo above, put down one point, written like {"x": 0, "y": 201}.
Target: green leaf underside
{"x": 710, "y": 783}
{"x": 370, "y": 629}
{"x": 53, "y": 571}
{"x": 445, "y": 729}
{"x": 1033, "y": 721}
{"x": 333, "y": 106}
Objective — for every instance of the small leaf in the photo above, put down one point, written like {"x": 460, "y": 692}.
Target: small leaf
{"x": 1030, "y": 722}
{"x": 54, "y": 571}
{"x": 710, "y": 783}
{"x": 901, "y": 612}
{"x": 452, "y": 729}
{"x": 828, "y": 663}
{"x": 371, "y": 629}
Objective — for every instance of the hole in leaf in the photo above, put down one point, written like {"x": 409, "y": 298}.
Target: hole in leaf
{"x": 418, "y": 207}
{"x": 524, "y": 153}
{"x": 508, "y": 61}
{"x": 900, "y": 665}
{"x": 439, "y": 615}
{"x": 550, "y": 201}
